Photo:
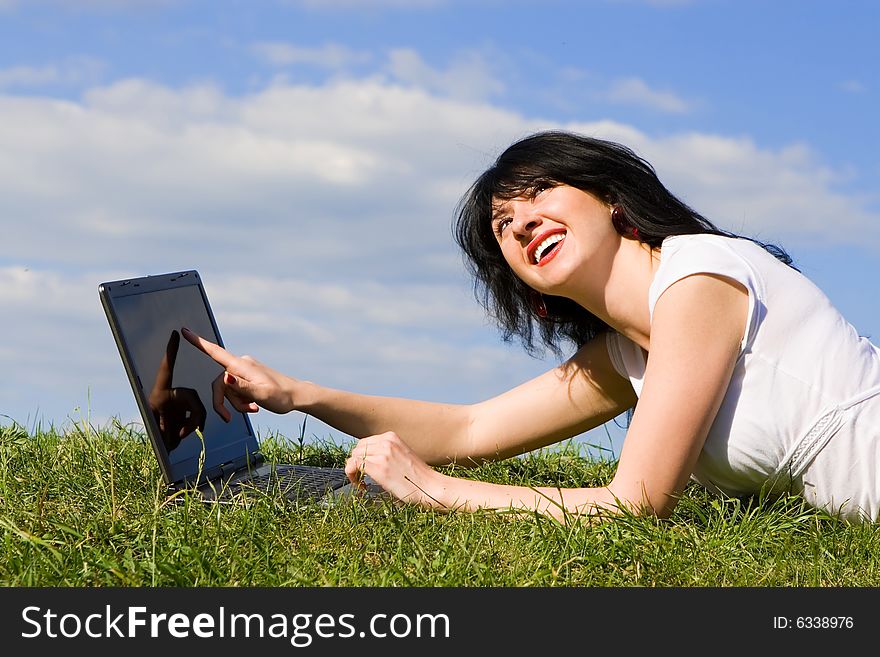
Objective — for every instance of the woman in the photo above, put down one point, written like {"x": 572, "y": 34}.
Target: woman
{"x": 746, "y": 377}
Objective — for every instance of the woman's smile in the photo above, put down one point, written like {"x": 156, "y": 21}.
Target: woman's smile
{"x": 543, "y": 248}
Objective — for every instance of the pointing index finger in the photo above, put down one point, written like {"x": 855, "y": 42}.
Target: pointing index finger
{"x": 211, "y": 349}
{"x": 166, "y": 368}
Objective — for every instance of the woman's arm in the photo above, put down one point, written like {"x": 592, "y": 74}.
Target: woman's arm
{"x": 698, "y": 326}
{"x": 570, "y": 399}
{"x": 577, "y": 396}
{"x": 696, "y": 332}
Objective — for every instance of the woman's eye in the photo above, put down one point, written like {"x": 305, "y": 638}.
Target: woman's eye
{"x": 541, "y": 187}
{"x": 501, "y": 225}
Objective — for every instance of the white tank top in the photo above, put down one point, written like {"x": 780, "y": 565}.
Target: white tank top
{"x": 802, "y": 411}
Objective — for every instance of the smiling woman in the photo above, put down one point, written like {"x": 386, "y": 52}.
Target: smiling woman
{"x": 741, "y": 373}
{"x": 640, "y": 207}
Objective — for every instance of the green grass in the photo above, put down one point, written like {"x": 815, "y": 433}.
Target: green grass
{"x": 84, "y": 506}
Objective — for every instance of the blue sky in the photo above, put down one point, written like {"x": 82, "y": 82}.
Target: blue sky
{"x": 307, "y": 156}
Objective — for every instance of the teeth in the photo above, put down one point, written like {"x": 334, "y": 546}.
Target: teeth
{"x": 550, "y": 241}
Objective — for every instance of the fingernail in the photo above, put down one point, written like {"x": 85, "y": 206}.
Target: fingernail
{"x": 230, "y": 380}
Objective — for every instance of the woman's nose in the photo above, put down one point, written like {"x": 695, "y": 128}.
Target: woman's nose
{"x": 524, "y": 221}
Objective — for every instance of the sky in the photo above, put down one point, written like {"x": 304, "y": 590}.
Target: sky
{"x": 306, "y": 157}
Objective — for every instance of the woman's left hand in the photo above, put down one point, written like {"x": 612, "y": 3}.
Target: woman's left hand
{"x": 396, "y": 468}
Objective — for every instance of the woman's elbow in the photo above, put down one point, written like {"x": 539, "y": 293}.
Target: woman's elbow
{"x": 642, "y": 500}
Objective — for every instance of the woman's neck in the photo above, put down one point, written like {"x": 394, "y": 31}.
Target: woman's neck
{"x": 620, "y": 298}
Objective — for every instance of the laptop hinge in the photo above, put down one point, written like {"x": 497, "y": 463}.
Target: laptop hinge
{"x": 231, "y": 467}
{"x": 213, "y": 473}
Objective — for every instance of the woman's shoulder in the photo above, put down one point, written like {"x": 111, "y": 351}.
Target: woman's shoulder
{"x": 736, "y": 257}
{"x": 701, "y": 240}
{"x": 681, "y": 255}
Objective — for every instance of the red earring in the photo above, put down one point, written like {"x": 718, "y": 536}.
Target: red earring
{"x": 542, "y": 307}
{"x": 621, "y": 224}
{"x": 538, "y": 304}
{"x": 618, "y": 220}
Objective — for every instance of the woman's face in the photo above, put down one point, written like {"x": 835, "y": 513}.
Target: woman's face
{"x": 551, "y": 238}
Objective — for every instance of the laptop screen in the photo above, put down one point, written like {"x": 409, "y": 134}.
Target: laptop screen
{"x": 172, "y": 379}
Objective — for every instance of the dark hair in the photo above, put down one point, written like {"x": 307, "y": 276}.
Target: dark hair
{"x": 609, "y": 171}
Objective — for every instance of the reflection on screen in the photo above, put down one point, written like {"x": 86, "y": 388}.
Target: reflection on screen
{"x": 175, "y": 377}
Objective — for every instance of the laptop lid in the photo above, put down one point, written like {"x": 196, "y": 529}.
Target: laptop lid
{"x": 172, "y": 380}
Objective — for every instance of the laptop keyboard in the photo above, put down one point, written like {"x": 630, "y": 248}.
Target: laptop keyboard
{"x": 293, "y": 481}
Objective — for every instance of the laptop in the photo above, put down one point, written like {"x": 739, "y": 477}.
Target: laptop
{"x": 172, "y": 383}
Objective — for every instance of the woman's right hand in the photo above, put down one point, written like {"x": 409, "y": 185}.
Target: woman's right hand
{"x": 246, "y": 383}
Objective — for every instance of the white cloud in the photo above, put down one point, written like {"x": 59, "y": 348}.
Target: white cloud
{"x": 72, "y": 71}
{"x": 785, "y": 194}
{"x": 633, "y": 91}
{"x": 329, "y": 56}
{"x": 468, "y": 77}
{"x": 28, "y": 76}
{"x": 91, "y": 5}
{"x": 52, "y": 345}
{"x": 853, "y": 86}
{"x": 108, "y": 4}
{"x": 663, "y": 4}
{"x": 367, "y": 4}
